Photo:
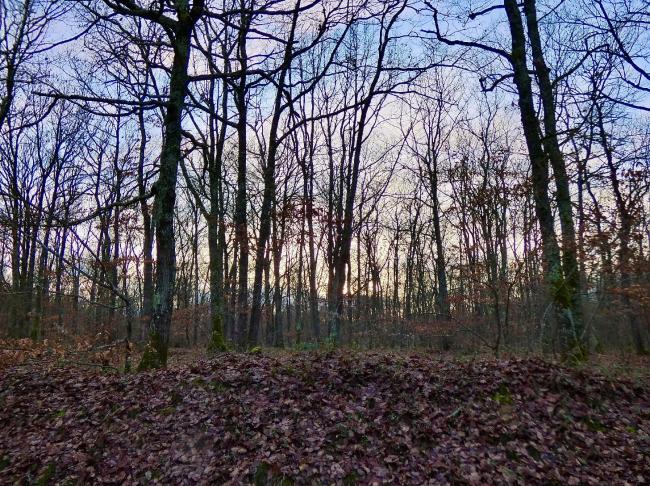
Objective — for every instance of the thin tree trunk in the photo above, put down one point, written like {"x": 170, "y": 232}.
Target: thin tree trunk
{"x": 216, "y": 236}
{"x": 240, "y": 220}
{"x": 147, "y": 243}
{"x": 624, "y": 236}
{"x": 269, "y": 186}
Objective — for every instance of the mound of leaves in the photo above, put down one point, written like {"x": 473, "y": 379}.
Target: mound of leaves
{"x": 314, "y": 418}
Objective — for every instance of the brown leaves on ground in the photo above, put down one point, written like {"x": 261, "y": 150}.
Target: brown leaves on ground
{"x": 336, "y": 418}
{"x": 93, "y": 352}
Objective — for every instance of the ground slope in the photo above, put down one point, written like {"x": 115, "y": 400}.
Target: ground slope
{"x": 324, "y": 419}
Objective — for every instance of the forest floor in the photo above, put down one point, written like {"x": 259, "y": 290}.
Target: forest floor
{"x": 324, "y": 418}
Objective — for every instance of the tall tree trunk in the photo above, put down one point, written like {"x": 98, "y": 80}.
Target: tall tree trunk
{"x": 573, "y": 337}
{"x": 164, "y": 203}
{"x": 276, "y": 252}
{"x": 147, "y": 243}
{"x": 624, "y": 234}
{"x": 442, "y": 298}
{"x": 58, "y": 286}
{"x": 540, "y": 171}
{"x": 269, "y": 186}
{"x": 313, "y": 291}
{"x": 299, "y": 272}
{"x": 240, "y": 219}
{"x": 216, "y": 234}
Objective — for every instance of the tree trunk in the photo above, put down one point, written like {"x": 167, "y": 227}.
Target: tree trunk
{"x": 573, "y": 333}
{"x": 240, "y": 219}
{"x": 163, "y": 212}
{"x": 540, "y": 171}
{"x": 624, "y": 233}
{"x": 216, "y": 237}
{"x": 147, "y": 243}
{"x": 269, "y": 187}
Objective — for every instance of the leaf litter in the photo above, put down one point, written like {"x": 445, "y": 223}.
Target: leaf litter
{"x": 324, "y": 418}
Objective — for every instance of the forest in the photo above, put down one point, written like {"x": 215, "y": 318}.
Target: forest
{"x": 324, "y": 241}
